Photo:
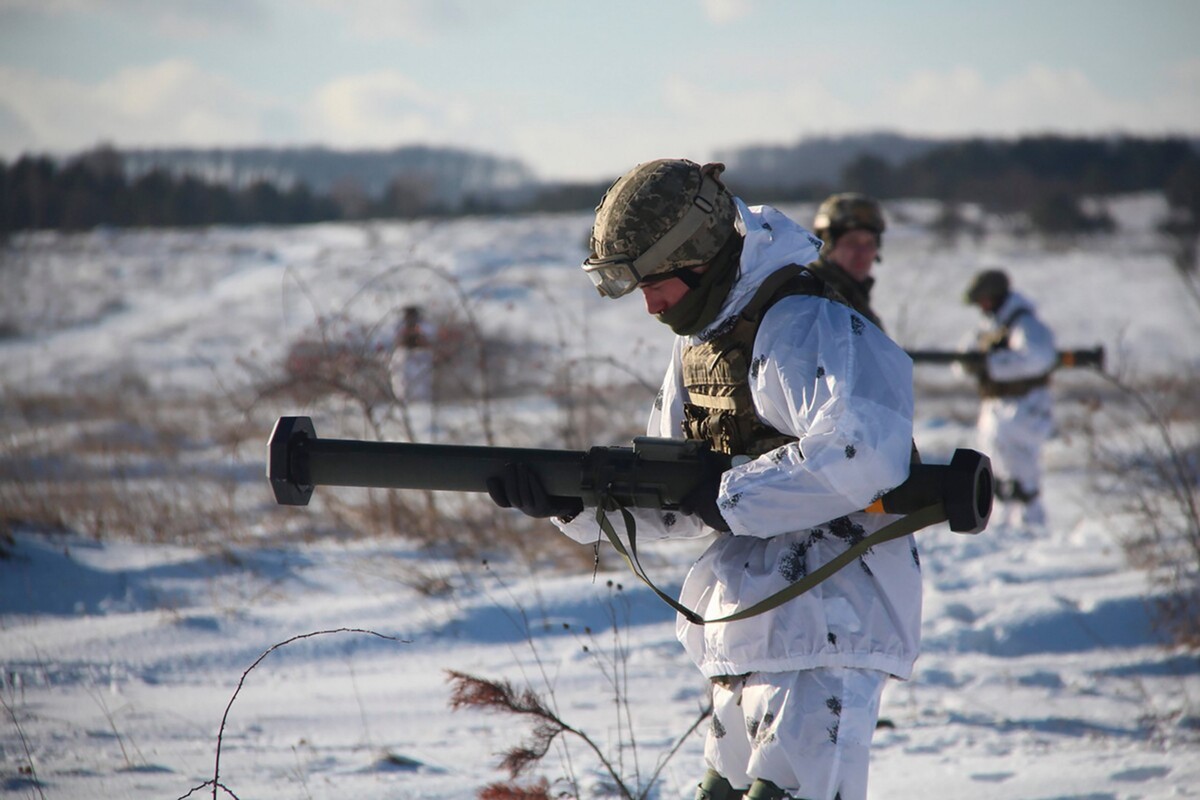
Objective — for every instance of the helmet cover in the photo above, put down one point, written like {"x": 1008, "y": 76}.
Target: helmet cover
{"x": 848, "y": 211}
{"x": 991, "y": 283}
{"x": 646, "y": 203}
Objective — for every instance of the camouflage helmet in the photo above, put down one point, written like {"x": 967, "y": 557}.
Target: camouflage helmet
{"x": 991, "y": 283}
{"x": 848, "y": 211}
{"x": 660, "y": 216}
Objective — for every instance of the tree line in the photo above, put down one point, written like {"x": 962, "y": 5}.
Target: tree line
{"x": 93, "y": 190}
{"x": 1042, "y": 176}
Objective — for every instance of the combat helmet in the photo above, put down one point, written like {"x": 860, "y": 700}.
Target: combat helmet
{"x": 991, "y": 283}
{"x": 662, "y": 217}
{"x": 848, "y": 211}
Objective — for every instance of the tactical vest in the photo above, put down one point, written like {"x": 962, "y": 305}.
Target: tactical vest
{"x": 998, "y": 340}
{"x": 717, "y": 371}
{"x": 856, "y": 294}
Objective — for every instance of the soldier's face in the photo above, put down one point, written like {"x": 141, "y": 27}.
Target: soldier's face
{"x": 661, "y": 295}
{"x": 855, "y": 251}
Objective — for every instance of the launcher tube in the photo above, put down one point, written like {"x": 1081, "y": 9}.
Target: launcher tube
{"x": 654, "y": 473}
{"x": 1087, "y": 357}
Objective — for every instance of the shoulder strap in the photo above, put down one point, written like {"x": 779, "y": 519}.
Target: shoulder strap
{"x": 922, "y": 518}
{"x": 792, "y": 279}
{"x": 1022, "y": 311}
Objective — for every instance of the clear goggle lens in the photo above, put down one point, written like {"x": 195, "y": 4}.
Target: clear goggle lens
{"x": 612, "y": 277}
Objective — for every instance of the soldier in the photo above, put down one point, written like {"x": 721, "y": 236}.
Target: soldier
{"x": 851, "y": 226}
{"x": 814, "y": 403}
{"x": 412, "y": 359}
{"x": 1016, "y": 356}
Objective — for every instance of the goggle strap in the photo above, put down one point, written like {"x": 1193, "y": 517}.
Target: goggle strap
{"x": 690, "y": 278}
{"x": 702, "y": 206}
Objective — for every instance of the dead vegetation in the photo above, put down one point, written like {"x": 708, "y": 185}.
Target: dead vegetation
{"x": 118, "y": 460}
{"x": 1144, "y": 440}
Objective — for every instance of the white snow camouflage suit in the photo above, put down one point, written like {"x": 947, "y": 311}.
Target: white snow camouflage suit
{"x": 1013, "y": 428}
{"x": 838, "y": 391}
{"x": 831, "y": 378}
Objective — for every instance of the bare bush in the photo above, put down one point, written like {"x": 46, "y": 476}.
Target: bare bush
{"x": 1145, "y": 445}
{"x": 618, "y": 764}
{"x": 120, "y": 458}
{"x": 113, "y": 462}
{"x": 345, "y": 370}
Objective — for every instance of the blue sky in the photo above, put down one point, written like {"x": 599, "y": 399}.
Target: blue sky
{"x": 585, "y": 90}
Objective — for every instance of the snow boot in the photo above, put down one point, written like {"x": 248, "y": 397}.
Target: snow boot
{"x": 714, "y": 786}
{"x": 765, "y": 790}
{"x": 1029, "y": 512}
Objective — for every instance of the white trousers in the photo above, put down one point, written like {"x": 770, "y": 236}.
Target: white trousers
{"x": 1012, "y": 431}
{"x": 807, "y": 732}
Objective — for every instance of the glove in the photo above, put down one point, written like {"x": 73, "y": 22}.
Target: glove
{"x": 519, "y": 487}
{"x": 974, "y": 364}
{"x": 701, "y": 501}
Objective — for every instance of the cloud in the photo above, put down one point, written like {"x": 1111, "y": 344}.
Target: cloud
{"x": 171, "y": 103}
{"x": 1040, "y": 98}
{"x": 383, "y": 109}
{"x": 725, "y": 11}
{"x": 695, "y": 117}
{"x": 687, "y": 117}
{"x": 418, "y": 21}
{"x": 761, "y": 107}
{"x": 177, "y": 19}
{"x": 176, "y": 103}
{"x": 52, "y": 7}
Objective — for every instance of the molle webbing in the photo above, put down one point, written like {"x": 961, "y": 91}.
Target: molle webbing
{"x": 998, "y": 340}
{"x": 857, "y": 294}
{"x": 717, "y": 371}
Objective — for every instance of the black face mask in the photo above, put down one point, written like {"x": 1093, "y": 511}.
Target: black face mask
{"x": 697, "y": 309}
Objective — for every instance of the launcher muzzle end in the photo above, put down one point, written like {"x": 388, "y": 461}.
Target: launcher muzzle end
{"x": 290, "y": 486}
{"x": 968, "y": 491}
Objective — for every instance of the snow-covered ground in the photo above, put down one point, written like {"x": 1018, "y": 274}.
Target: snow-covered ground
{"x": 1042, "y": 673}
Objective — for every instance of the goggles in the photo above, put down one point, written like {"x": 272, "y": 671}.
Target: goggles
{"x": 617, "y": 276}
{"x": 613, "y": 277}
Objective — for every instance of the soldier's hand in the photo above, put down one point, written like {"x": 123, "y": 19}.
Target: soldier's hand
{"x": 701, "y": 501}
{"x": 519, "y": 487}
{"x": 974, "y": 364}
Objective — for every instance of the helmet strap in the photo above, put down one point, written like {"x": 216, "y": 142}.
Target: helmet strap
{"x": 701, "y": 209}
{"x": 690, "y": 277}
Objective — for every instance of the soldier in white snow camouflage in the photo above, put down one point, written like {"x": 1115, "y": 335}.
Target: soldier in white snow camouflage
{"x": 1016, "y": 356}
{"x": 814, "y": 404}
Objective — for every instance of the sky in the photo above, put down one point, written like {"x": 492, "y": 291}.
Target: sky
{"x": 581, "y": 90}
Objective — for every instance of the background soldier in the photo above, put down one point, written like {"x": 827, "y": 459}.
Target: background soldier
{"x": 412, "y": 359}
{"x": 1016, "y": 356}
{"x": 815, "y": 403}
{"x": 851, "y": 226}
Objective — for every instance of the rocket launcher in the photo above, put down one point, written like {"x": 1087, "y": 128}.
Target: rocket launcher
{"x": 1087, "y": 357}
{"x": 652, "y": 473}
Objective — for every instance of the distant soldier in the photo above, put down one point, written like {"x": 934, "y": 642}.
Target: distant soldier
{"x": 412, "y": 359}
{"x": 851, "y": 226}
{"x": 1016, "y": 356}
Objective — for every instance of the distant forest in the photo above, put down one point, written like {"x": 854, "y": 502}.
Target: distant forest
{"x": 1044, "y": 177}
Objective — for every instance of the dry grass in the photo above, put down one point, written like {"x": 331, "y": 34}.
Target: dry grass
{"x": 1145, "y": 444}
{"x": 128, "y": 463}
